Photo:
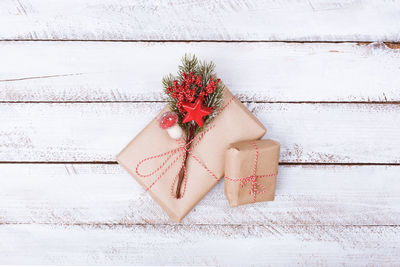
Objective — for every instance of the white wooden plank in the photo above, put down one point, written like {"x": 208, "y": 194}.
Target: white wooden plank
{"x": 105, "y": 194}
{"x": 299, "y": 20}
{"x": 218, "y": 245}
{"x": 93, "y": 71}
{"x": 321, "y": 133}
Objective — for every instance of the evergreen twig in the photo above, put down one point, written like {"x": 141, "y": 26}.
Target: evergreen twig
{"x": 205, "y": 70}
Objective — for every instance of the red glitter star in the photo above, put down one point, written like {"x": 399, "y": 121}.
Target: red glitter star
{"x": 196, "y": 111}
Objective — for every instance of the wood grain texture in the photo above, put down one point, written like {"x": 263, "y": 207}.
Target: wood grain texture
{"x": 247, "y": 245}
{"x": 313, "y": 133}
{"x": 91, "y": 212}
{"x": 298, "y": 20}
{"x": 86, "y": 194}
{"x": 114, "y": 71}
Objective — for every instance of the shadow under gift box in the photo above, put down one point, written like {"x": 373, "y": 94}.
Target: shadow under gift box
{"x": 251, "y": 168}
{"x": 234, "y": 123}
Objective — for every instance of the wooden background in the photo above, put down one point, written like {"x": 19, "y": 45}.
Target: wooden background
{"x": 79, "y": 79}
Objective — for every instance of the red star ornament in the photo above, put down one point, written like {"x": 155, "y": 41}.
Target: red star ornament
{"x": 196, "y": 111}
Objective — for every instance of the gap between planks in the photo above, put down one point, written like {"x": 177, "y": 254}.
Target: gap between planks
{"x": 243, "y": 101}
{"x": 172, "y": 224}
{"x": 280, "y": 163}
{"x": 393, "y": 45}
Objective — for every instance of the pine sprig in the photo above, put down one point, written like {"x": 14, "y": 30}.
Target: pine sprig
{"x": 189, "y": 64}
{"x": 167, "y": 81}
{"x": 215, "y": 100}
{"x": 206, "y": 70}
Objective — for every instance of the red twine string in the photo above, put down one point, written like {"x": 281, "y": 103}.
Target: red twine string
{"x": 175, "y": 154}
{"x": 255, "y": 188}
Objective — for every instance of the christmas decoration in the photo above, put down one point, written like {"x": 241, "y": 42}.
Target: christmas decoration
{"x": 168, "y": 121}
{"x": 196, "y": 111}
{"x": 196, "y": 79}
{"x": 195, "y": 95}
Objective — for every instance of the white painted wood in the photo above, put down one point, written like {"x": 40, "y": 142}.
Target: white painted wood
{"x": 332, "y": 133}
{"x": 218, "y": 245}
{"x": 298, "y": 20}
{"x": 98, "y": 214}
{"x": 106, "y": 194}
{"x": 109, "y": 71}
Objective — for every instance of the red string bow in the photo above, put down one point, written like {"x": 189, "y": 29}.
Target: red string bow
{"x": 175, "y": 154}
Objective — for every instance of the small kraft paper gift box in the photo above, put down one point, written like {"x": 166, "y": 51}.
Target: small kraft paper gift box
{"x": 251, "y": 168}
{"x": 154, "y": 159}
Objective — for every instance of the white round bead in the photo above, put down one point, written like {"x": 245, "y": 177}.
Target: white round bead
{"x": 175, "y": 131}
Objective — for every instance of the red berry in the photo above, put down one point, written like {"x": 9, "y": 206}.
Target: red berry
{"x": 167, "y": 119}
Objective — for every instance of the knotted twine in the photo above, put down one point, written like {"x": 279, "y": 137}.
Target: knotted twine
{"x": 180, "y": 152}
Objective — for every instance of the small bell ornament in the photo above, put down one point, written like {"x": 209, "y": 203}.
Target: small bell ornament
{"x": 169, "y": 121}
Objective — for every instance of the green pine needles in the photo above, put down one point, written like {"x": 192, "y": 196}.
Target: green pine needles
{"x": 194, "y": 79}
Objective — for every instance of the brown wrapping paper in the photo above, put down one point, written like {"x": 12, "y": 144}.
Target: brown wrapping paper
{"x": 233, "y": 124}
{"x": 239, "y": 163}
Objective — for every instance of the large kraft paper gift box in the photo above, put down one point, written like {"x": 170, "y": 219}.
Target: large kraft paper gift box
{"x": 153, "y": 158}
{"x": 251, "y": 168}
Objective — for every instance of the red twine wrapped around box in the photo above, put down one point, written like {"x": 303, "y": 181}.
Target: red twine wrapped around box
{"x": 182, "y": 150}
{"x": 256, "y": 188}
